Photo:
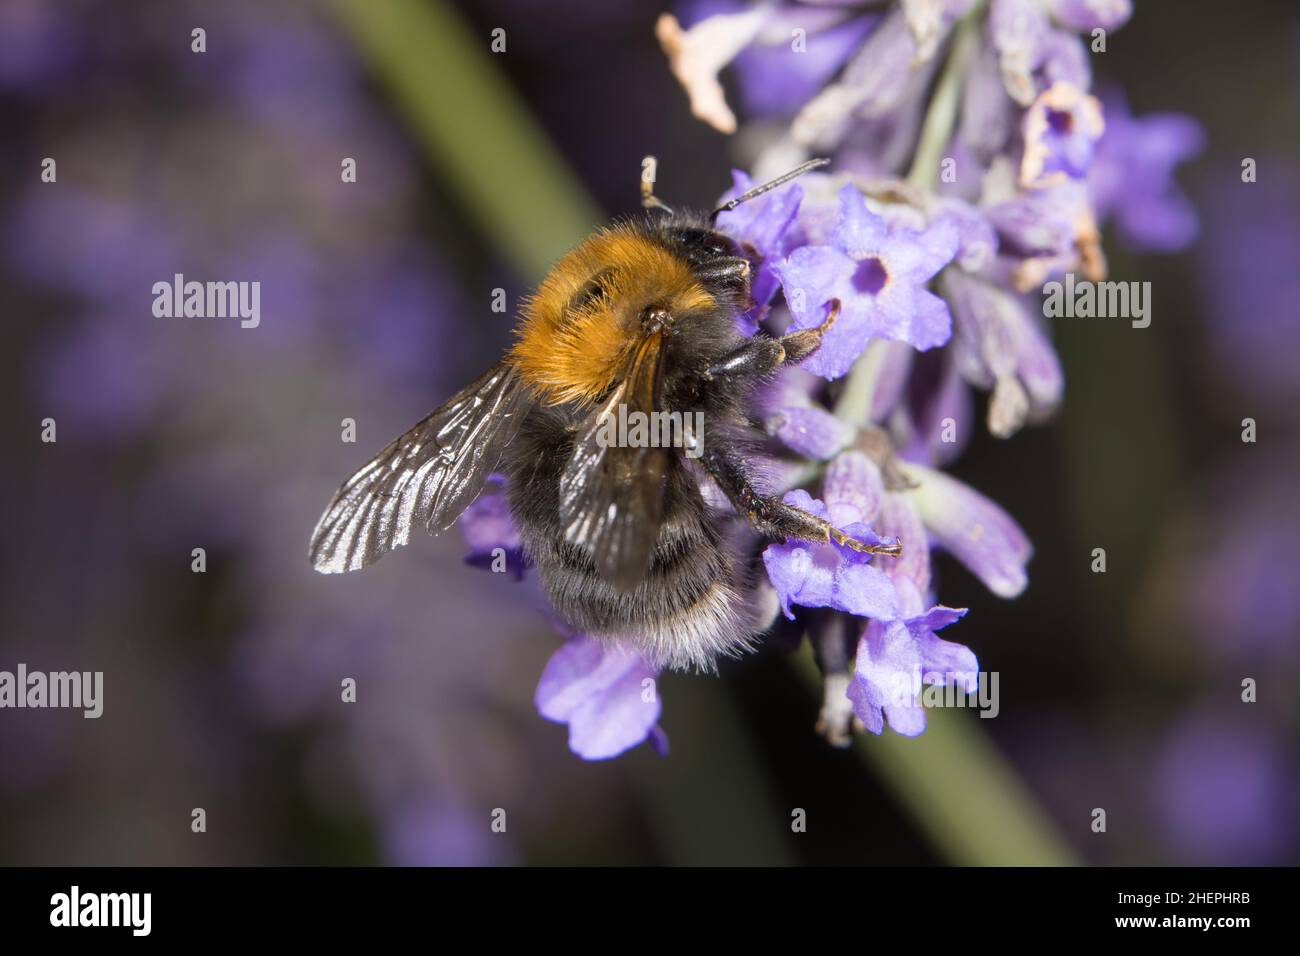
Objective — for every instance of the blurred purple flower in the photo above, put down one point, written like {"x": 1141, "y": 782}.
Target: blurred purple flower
{"x": 198, "y": 413}
{"x": 1018, "y": 31}
{"x": 488, "y": 528}
{"x": 429, "y": 833}
{"x": 1132, "y": 181}
{"x": 1087, "y": 15}
{"x": 1225, "y": 792}
{"x": 607, "y": 694}
{"x": 107, "y": 250}
{"x": 776, "y": 79}
{"x": 40, "y": 44}
{"x": 1249, "y": 279}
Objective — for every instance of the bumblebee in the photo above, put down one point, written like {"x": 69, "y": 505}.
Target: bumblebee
{"x": 640, "y": 318}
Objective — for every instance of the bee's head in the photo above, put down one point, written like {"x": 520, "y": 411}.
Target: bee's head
{"x": 716, "y": 259}
{"x": 616, "y": 286}
{"x": 718, "y": 263}
{"x": 702, "y": 245}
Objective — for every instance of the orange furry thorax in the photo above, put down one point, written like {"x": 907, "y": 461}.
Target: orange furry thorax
{"x": 579, "y": 327}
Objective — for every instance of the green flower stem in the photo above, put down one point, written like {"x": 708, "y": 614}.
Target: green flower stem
{"x": 941, "y": 115}
{"x": 854, "y": 403}
{"x": 477, "y": 134}
{"x": 963, "y": 793}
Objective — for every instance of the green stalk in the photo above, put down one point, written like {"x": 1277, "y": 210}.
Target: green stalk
{"x": 941, "y": 115}
{"x": 964, "y": 795}
{"x": 478, "y": 136}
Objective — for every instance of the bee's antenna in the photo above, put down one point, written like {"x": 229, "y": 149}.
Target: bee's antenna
{"x": 768, "y": 187}
{"x": 649, "y": 200}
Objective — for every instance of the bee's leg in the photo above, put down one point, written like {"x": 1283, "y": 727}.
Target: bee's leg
{"x": 729, "y": 272}
{"x": 799, "y": 345}
{"x": 760, "y": 354}
{"x": 753, "y": 361}
{"x": 768, "y": 514}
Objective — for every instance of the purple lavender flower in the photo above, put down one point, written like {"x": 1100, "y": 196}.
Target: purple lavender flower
{"x": 829, "y": 575}
{"x": 898, "y": 651}
{"x": 1087, "y": 15}
{"x": 605, "y": 693}
{"x": 762, "y": 226}
{"x": 874, "y": 82}
{"x": 1001, "y": 345}
{"x": 934, "y": 422}
{"x": 1132, "y": 180}
{"x": 1066, "y": 59}
{"x": 490, "y": 532}
{"x": 596, "y": 687}
{"x": 977, "y": 240}
{"x": 811, "y": 431}
{"x": 1032, "y": 156}
{"x": 1047, "y": 232}
{"x": 1061, "y": 130}
{"x": 895, "y": 657}
{"x": 976, "y": 531}
{"x": 878, "y": 273}
{"x": 1018, "y": 30}
{"x": 773, "y": 79}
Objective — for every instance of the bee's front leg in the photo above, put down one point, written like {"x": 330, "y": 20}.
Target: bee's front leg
{"x": 799, "y": 345}
{"x": 761, "y": 353}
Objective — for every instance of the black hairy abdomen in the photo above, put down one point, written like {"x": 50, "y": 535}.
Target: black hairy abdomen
{"x": 689, "y": 556}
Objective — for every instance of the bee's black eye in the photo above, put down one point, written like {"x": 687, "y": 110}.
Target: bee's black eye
{"x": 704, "y": 244}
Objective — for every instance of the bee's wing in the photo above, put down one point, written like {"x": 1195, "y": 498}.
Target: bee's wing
{"x": 611, "y": 498}
{"x": 428, "y": 475}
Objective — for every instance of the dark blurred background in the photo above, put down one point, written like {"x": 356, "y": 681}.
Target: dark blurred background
{"x": 1119, "y": 690}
